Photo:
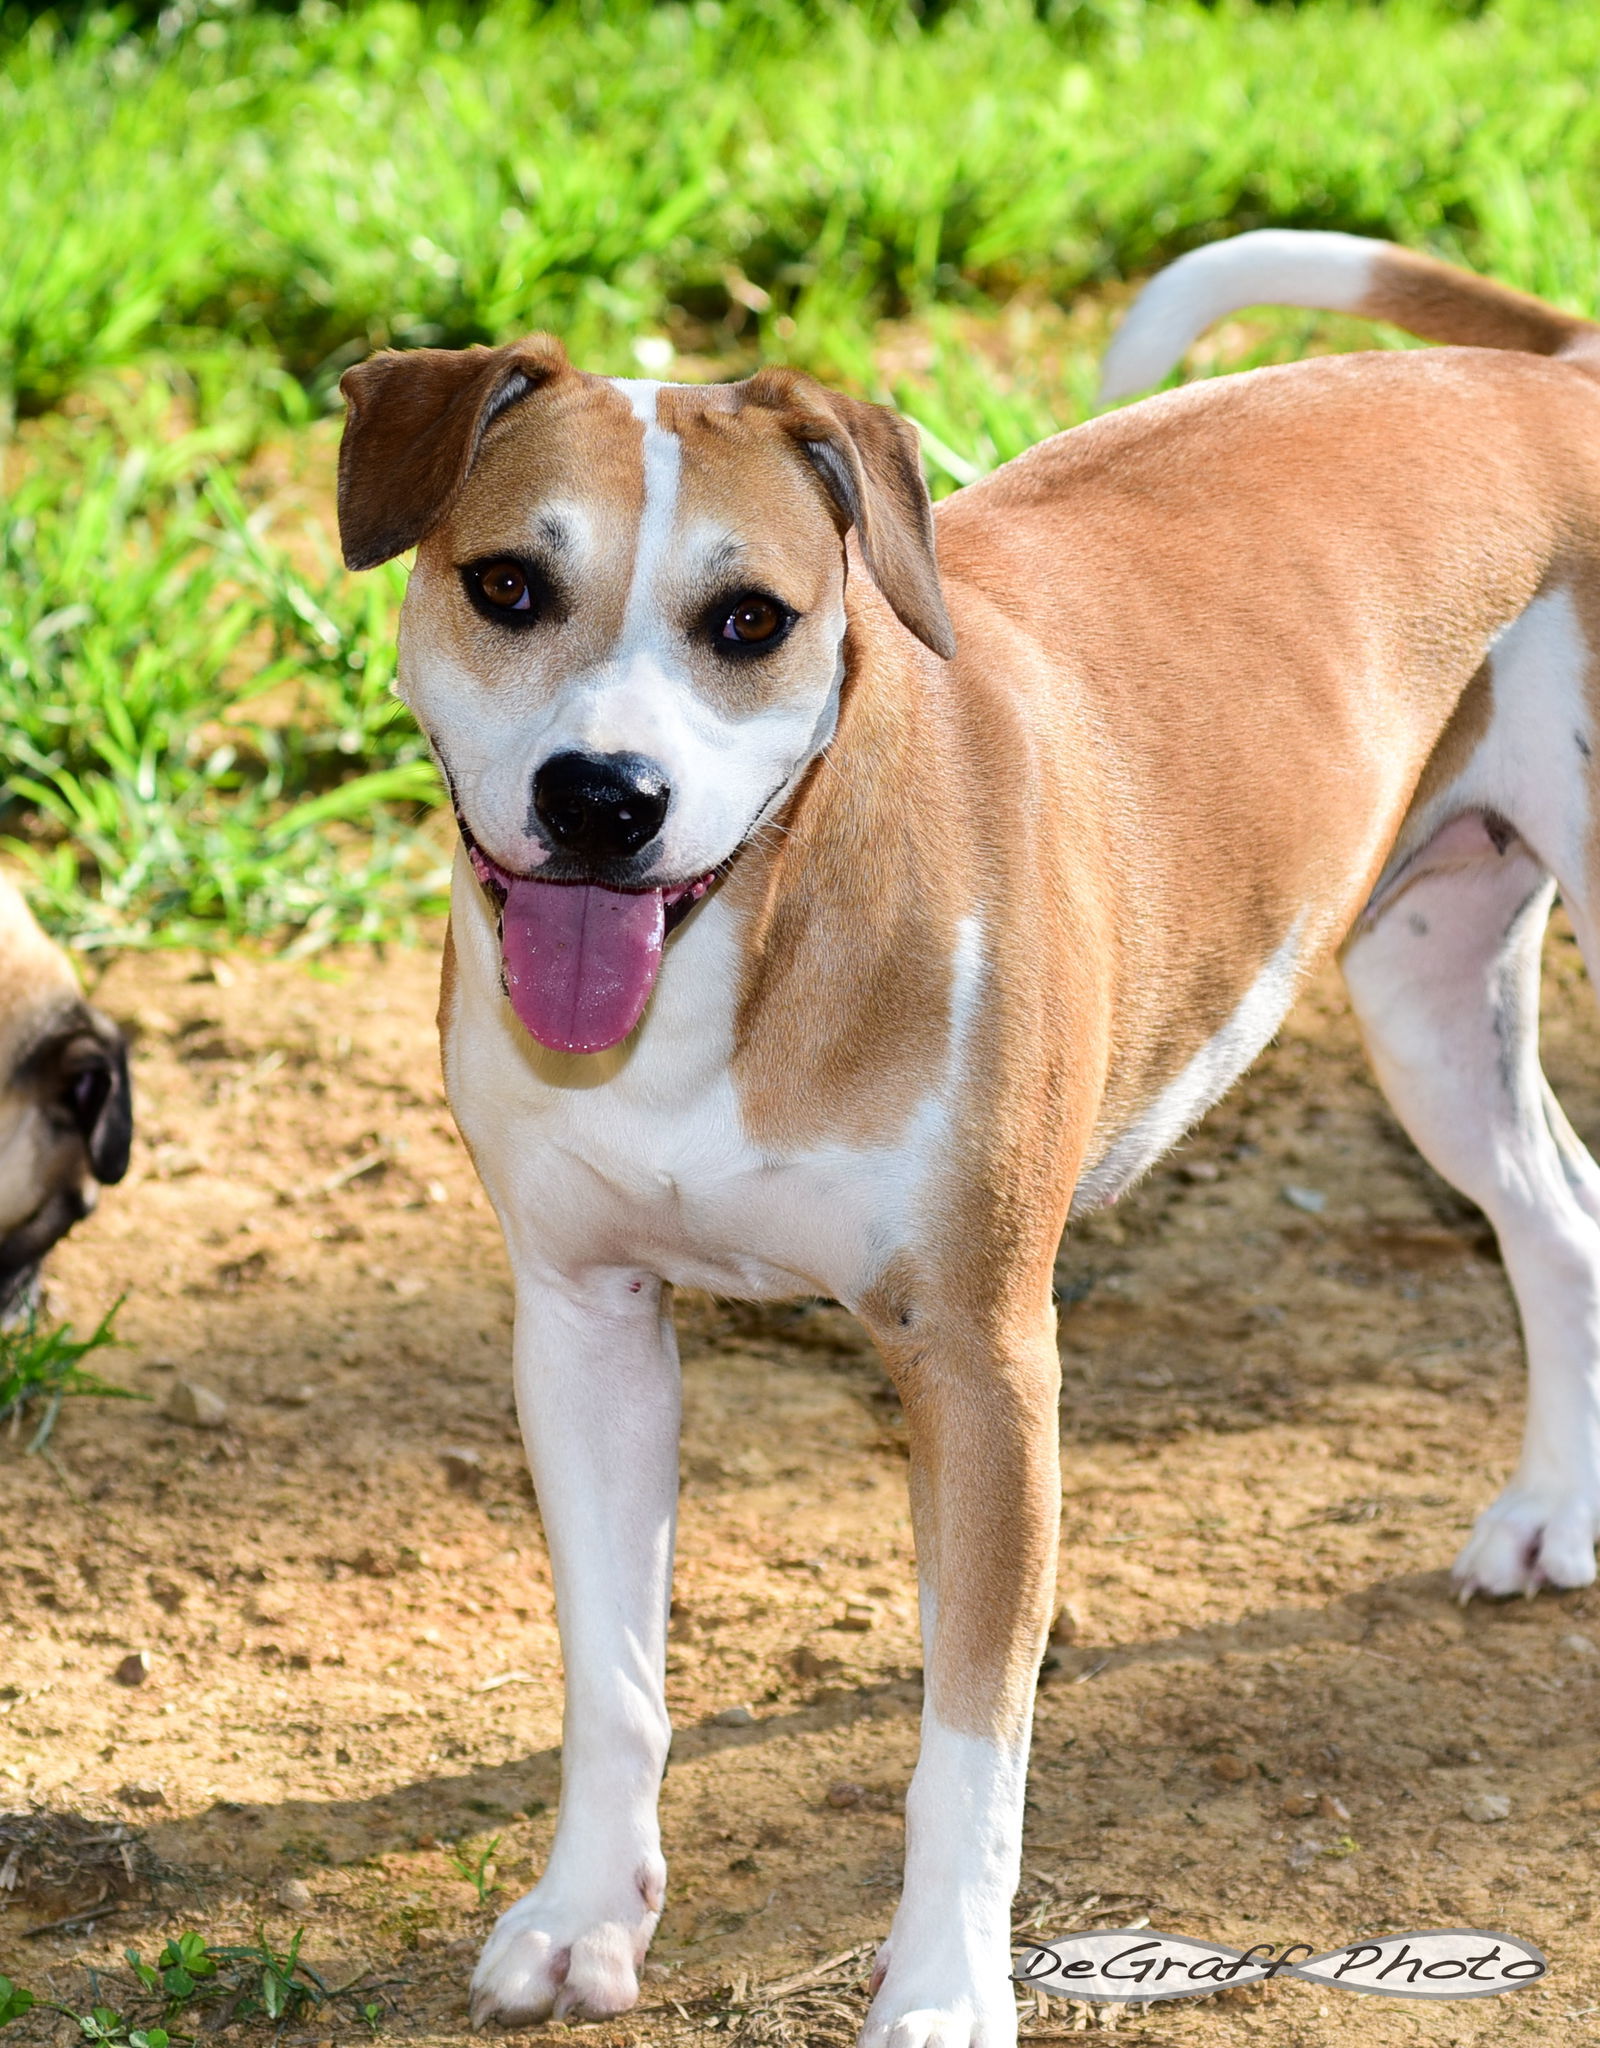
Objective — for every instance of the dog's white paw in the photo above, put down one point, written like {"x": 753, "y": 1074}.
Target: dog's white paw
{"x": 1532, "y": 1536}
{"x": 560, "y": 1954}
{"x": 941, "y": 2026}
{"x": 939, "y": 2005}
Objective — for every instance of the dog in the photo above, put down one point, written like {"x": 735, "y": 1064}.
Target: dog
{"x": 846, "y": 894}
{"x": 66, "y": 1111}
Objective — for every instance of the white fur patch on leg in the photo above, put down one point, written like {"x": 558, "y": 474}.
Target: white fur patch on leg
{"x": 598, "y": 1398}
{"x": 943, "y": 1978}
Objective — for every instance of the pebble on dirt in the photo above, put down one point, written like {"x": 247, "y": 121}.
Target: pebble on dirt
{"x": 294, "y": 1893}
{"x": 733, "y": 1717}
{"x": 463, "y": 1467}
{"x": 134, "y": 1668}
{"x": 1484, "y": 1807}
{"x": 1231, "y": 1769}
{"x": 141, "y": 1792}
{"x": 1308, "y": 1200}
{"x": 858, "y": 1616}
{"x": 845, "y": 1795}
{"x": 188, "y": 1402}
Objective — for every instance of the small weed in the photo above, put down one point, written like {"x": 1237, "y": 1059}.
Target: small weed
{"x": 113, "y": 2031}
{"x": 477, "y": 1870}
{"x": 179, "y": 1972}
{"x": 275, "y": 1985}
{"x": 237, "y": 1980}
{"x": 100, "y": 2023}
{"x": 39, "y": 1365}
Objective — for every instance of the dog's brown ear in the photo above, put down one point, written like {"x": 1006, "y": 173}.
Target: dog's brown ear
{"x": 415, "y": 420}
{"x": 78, "y": 1072}
{"x": 868, "y": 458}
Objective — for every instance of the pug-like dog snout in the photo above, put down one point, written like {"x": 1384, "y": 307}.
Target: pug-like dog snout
{"x": 599, "y": 806}
{"x": 66, "y": 1106}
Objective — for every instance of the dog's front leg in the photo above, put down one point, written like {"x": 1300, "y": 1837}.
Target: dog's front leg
{"x": 982, "y": 1416}
{"x": 598, "y": 1397}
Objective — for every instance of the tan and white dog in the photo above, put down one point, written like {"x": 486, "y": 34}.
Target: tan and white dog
{"x": 66, "y": 1120}
{"x": 847, "y": 894}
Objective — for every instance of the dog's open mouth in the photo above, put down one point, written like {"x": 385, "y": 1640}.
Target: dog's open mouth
{"x": 578, "y": 960}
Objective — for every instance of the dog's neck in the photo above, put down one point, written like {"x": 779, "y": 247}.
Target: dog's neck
{"x": 849, "y": 906}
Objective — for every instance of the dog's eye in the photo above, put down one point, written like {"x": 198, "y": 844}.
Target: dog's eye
{"x": 505, "y": 585}
{"x": 752, "y": 621}
{"x": 505, "y": 590}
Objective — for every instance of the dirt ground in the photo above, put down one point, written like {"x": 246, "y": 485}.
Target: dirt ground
{"x": 1292, "y": 1377}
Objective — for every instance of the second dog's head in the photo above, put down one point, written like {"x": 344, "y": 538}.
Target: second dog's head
{"x": 624, "y": 633}
{"x": 66, "y": 1120}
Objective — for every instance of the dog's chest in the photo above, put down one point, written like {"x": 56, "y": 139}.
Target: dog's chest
{"x": 644, "y": 1162}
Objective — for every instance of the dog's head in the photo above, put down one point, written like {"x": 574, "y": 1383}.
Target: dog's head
{"x": 624, "y": 633}
{"x": 66, "y": 1120}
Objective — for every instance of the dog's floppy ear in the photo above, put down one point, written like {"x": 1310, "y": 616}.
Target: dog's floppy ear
{"x": 102, "y": 1101}
{"x": 868, "y": 458}
{"x": 78, "y": 1072}
{"x": 415, "y": 420}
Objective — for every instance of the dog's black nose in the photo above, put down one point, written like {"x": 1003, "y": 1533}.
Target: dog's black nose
{"x": 603, "y": 805}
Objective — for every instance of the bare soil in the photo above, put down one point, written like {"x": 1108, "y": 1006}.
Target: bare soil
{"x": 1281, "y": 1412}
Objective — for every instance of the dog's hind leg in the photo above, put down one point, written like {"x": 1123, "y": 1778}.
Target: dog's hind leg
{"x": 1583, "y": 1175}
{"x": 1445, "y": 983}
{"x": 598, "y": 1398}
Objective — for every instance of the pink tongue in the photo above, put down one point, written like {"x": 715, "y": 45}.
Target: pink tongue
{"x": 580, "y": 961}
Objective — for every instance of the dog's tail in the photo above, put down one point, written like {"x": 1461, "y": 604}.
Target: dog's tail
{"x": 1334, "y": 274}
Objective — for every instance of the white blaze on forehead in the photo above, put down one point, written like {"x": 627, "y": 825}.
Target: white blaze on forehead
{"x": 632, "y": 703}
{"x": 663, "y": 467}
{"x": 726, "y": 765}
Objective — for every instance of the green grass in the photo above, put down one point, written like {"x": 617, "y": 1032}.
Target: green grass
{"x": 227, "y": 1982}
{"x": 42, "y": 1367}
{"x": 193, "y": 720}
{"x": 207, "y": 221}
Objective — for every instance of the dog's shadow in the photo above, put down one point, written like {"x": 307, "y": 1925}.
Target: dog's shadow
{"x": 1367, "y": 1699}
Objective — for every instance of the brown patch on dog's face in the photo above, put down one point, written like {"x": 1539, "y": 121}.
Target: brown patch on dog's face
{"x": 756, "y": 530}
{"x": 558, "y": 489}
{"x": 65, "y": 1114}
